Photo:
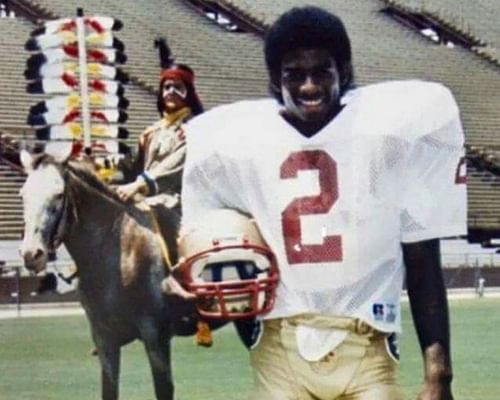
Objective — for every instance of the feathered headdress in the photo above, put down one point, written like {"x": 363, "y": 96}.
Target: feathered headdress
{"x": 166, "y": 59}
{"x": 170, "y": 70}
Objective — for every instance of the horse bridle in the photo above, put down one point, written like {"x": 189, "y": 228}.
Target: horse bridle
{"x": 56, "y": 237}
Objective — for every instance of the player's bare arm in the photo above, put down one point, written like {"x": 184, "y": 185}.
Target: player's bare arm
{"x": 429, "y": 308}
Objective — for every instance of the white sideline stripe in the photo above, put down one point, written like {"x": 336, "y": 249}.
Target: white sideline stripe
{"x": 471, "y": 293}
{"x": 458, "y": 294}
{"x": 9, "y": 311}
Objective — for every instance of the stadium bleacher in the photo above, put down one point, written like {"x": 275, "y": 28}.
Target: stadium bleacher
{"x": 480, "y": 16}
{"x": 11, "y": 224}
{"x": 229, "y": 66}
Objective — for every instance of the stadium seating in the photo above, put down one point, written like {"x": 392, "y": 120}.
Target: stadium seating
{"x": 229, "y": 66}
{"x": 11, "y": 219}
{"x": 194, "y": 40}
{"x": 483, "y": 199}
{"x": 480, "y": 16}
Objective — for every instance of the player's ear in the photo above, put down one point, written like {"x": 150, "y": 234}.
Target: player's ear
{"x": 346, "y": 75}
{"x": 275, "y": 90}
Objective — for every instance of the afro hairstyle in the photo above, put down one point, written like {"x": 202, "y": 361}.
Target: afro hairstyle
{"x": 307, "y": 28}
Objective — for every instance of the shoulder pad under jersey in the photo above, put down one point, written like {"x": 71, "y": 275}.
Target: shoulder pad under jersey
{"x": 226, "y": 122}
{"x": 407, "y": 109}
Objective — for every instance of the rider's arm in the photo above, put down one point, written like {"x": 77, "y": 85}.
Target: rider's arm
{"x": 167, "y": 174}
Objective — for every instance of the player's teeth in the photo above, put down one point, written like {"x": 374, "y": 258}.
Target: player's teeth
{"x": 311, "y": 102}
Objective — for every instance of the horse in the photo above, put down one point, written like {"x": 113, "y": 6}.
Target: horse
{"x": 120, "y": 260}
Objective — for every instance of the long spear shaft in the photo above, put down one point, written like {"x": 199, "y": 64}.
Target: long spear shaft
{"x": 84, "y": 90}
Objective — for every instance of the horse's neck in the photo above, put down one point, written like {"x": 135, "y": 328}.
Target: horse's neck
{"x": 94, "y": 207}
{"x": 91, "y": 232}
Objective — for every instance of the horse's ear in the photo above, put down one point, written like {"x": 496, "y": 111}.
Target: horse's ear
{"x": 60, "y": 151}
{"x": 26, "y": 160}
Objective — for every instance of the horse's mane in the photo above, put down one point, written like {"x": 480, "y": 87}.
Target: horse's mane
{"x": 83, "y": 171}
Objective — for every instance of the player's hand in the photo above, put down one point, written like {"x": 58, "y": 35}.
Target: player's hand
{"x": 435, "y": 391}
{"x": 126, "y": 192}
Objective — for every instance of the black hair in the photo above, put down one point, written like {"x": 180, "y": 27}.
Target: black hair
{"x": 307, "y": 28}
{"x": 168, "y": 62}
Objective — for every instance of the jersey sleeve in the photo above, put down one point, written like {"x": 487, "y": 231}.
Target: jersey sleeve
{"x": 198, "y": 195}
{"x": 434, "y": 198}
{"x": 206, "y": 184}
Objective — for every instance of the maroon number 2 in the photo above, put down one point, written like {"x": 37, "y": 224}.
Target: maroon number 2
{"x": 331, "y": 248}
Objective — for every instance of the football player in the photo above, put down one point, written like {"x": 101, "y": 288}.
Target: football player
{"x": 351, "y": 188}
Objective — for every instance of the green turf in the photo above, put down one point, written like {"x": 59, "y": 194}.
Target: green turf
{"x": 48, "y": 359}
{"x": 475, "y": 330}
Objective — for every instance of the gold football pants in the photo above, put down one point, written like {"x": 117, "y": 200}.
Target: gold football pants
{"x": 360, "y": 368}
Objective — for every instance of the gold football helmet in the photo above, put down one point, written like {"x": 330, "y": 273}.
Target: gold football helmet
{"x": 228, "y": 267}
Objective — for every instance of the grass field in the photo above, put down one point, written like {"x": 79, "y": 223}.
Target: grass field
{"x": 48, "y": 359}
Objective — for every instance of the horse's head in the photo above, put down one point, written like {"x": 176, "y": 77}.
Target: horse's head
{"x": 45, "y": 205}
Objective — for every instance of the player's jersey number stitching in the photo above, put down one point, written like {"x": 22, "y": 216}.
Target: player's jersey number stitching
{"x": 331, "y": 248}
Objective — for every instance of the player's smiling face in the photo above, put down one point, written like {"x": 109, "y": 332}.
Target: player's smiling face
{"x": 310, "y": 86}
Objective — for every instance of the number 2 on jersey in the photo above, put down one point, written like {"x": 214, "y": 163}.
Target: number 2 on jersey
{"x": 331, "y": 248}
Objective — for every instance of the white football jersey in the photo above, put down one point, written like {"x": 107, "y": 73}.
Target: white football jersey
{"x": 336, "y": 207}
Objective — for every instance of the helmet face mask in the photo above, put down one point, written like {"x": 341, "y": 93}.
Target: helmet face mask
{"x": 235, "y": 275}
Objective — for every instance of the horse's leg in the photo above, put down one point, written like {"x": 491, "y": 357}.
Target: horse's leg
{"x": 159, "y": 359}
{"x": 157, "y": 345}
{"x": 109, "y": 356}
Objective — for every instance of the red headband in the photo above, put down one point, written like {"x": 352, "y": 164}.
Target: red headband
{"x": 185, "y": 76}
